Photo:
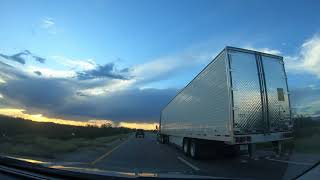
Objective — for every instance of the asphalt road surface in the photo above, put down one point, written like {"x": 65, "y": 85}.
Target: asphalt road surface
{"x": 141, "y": 155}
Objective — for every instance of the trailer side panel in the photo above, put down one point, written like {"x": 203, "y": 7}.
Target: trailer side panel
{"x": 201, "y": 109}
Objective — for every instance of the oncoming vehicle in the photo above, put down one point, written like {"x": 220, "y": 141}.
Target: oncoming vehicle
{"x": 140, "y": 133}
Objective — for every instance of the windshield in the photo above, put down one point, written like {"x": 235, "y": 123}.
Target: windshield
{"x": 216, "y": 88}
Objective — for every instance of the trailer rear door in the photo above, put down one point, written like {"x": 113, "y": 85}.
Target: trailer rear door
{"x": 277, "y": 94}
{"x": 246, "y": 92}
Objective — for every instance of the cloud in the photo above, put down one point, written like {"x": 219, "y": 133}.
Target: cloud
{"x": 37, "y": 73}
{"x": 66, "y": 98}
{"x": 128, "y": 105}
{"x": 117, "y": 95}
{"x": 8, "y": 73}
{"x": 61, "y": 98}
{"x": 48, "y": 23}
{"x": 109, "y": 87}
{"x": 22, "y": 57}
{"x": 138, "y": 76}
{"x": 166, "y": 67}
{"x": 50, "y": 73}
{"x": 102, "y": 71}
{"x": 16, "y": 57}
{"x": 306, "y": 100}
{"x": 75, "y": 64}
{"x": 36, "y": 92}
{"x": 39, "y": 59}
{"x": 264, "y": 50}
{"x": 308, "y": 59}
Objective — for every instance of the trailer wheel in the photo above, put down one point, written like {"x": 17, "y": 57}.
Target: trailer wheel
{"x": 164, "y": 139}
{"x": 160, "y": 139}
{"x": 194, "y": 149}
{"x": 185, "y": 146}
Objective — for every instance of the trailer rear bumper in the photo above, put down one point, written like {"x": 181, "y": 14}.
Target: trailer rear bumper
{"x": 260, "y": 138}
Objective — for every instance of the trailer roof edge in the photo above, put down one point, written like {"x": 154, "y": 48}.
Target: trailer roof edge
{"x": 252, "y": 51}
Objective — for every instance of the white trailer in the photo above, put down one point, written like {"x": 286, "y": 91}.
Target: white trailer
{"x": 239, "y": 98}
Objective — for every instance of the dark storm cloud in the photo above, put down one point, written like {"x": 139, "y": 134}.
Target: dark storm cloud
{"x": 38, "y": 73}
{"x": 61, "y": 98}
{"x": 21, "y": 57}
{"x": 129, "y": 105}
{"x": 58, "y": 98}
{"x": 37, "y": 92}
{"x": 39, "y": 59}
{"x": 125, "y": 70}
{"x": 15, "y": 57}
{"x": 103, "y": 71}
{"x": 81, "y": 94}
{"x": 11, "y": 72}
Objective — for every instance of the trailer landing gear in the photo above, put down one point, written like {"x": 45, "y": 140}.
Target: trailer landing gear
{"x": 277, "y": 147}
{"x": 252, "y": 150}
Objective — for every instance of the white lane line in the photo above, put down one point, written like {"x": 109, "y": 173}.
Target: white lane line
{"x": 189, "y": 164}
{"x": 291, "y": 162}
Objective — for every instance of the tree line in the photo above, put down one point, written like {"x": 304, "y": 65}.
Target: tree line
{"x": 12, "y": 126}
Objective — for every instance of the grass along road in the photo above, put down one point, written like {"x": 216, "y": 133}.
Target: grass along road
{"x": 44, "y": 147}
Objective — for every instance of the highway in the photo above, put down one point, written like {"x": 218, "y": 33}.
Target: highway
{"x": 146, "y": 155}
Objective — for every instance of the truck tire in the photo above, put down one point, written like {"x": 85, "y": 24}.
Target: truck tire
{"x": 163, "y": 139}
{"x": 232, "y": 151}
{"x": 186, "y": 146}
{"x": 194, "y": 149}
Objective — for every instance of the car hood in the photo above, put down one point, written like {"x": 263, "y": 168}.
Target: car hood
{"x": 72, "y": 167}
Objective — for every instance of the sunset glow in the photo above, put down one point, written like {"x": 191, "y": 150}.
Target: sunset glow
{"x": 146, "y": 126}
{"x": 20, "y": 113}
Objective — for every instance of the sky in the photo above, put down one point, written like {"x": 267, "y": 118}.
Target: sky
{"x": 122, "y": 61}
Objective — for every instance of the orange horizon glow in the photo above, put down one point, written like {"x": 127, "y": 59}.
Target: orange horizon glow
{"x": 20, "y": 113}
{"x": 145, "y": 126}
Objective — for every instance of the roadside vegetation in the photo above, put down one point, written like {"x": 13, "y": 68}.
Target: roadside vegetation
{"x": 306, "y": 137}
{"x": 42, "y": 139}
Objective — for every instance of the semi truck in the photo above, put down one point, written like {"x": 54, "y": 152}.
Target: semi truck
{"x": 239, "y": 99}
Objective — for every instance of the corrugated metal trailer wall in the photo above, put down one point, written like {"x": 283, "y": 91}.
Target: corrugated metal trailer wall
{"x": 260, "y": 93}
{"x": 202, "y": 108}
